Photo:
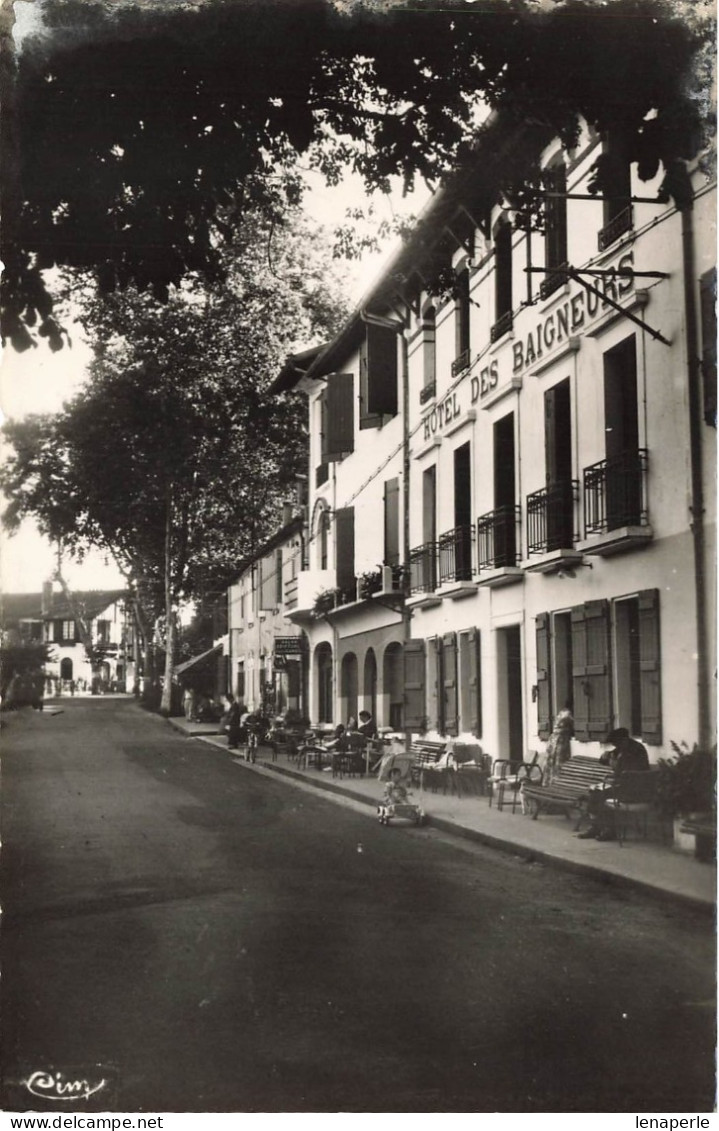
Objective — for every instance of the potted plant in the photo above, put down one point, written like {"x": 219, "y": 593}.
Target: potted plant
{"x": 369, "y": 583}
{"x": 687, "y": 787}
{"x": 325, "y": 601}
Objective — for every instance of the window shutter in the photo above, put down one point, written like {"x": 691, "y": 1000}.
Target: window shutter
{"x": 556, "y": 217}
{"x": 345, "y": 547}
{"x": 323, "y": 427}
{"x": 590, "y": 670}
{"x": 449, "y": 683}
{"x": 435, "y": 697}
{"x": 279, "y": 594}
{"x": 391, "y": 522}
{"x": 474, "y": 680}
{"x": 415, "y": 717}
{"x": 366, "y": 418}
{"x": 381, "y": 370}
{"x": 268, "y": 584}
{"x": 340, "y": 415}
{"x": 707, "y": 295}
{"x": 650, "y": 666}
{"x": 544, "y": 685}
{"x": 57, "y": 632}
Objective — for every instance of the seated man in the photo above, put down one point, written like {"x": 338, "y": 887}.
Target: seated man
{"x": 367, "y": 725}
{"x": 627, "y": 755}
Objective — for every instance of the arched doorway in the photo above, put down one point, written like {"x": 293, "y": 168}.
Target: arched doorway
{"x": 393, "y": 685}
{"x": 348, "y": 686}
{"x": 369, "y": 684}
{"x": 323, "y": 668}
{"x": 66, "y": 668}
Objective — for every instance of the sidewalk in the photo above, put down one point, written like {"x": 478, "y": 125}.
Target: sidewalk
{"x": 660, "y": 869}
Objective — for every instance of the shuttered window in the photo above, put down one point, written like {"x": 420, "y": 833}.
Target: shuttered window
{"x": 449, "y": 683}
{"x": 340, "y": 416}
{"x": 470, "y": 666}
{"x": 555, "y": 216}
{"x": 322, "y": 470}
{"x": 268, "y": 584}
{"x": 391, "y": 522}
{"x": 590, "y": 670}
{"x": 544, "y": 697}
{"x": 435, "y": 695}
{"x": 381, "y": 371}
{"x": 415, "y": 717}
{"x": 278, "y": 578}
{"x": 367, "y": 419}
{"x": 345, "y": 548}
{"x": 650, "y": 666}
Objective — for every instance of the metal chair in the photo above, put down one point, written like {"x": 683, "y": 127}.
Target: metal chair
{"x": 525, "y": 772}
{"x": 502, "y": 771}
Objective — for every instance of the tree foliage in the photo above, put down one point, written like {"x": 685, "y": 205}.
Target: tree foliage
{"x": 137, "y": 135}
{"x": 173, "y": 457}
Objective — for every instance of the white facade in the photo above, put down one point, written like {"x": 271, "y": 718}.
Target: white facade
{"x": 557, "y": 451}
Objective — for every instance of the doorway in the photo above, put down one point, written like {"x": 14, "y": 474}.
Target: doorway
{"x": 510, "y": 707}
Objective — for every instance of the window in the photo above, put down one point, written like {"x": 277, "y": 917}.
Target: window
{"x": 461, "y": 315}
{"x": 240, "y": 679}
{"x": 555, "y": 229}
{"x": 502, "y": 279}
{"x": 322, "y": 535}
{"x": 429, "y": 355}
{"x": 391, "y": 522}
{"x": 378, "y": 375}
{"x": 278, "y": 577}
{"x": 323, "y": 665}
{"x": 340, "y": 416}
{"x": 103, "y": 631}
{"x": 617, "y": 190}
{"x": 602, "y": 659}
{"x": 322, "y": 468}
{"x": 68, "y": 632}
{"x": 345, "y": 551}
{"x": 470, "y": 687}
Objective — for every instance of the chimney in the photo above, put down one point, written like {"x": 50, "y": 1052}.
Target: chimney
{"x": 46, "y": 603}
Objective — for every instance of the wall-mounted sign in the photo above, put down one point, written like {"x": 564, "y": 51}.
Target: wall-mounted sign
{"x": 288, "y": 646}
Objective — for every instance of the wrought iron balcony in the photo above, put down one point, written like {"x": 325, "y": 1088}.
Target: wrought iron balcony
{"x": 550, "y": 517}
{"x": 501, "y": 327}
{"x": 427, "y": 392}
{"x": 615, "y": 493}
{"x": 497, "y": 540}
{"x": 423, "y": 568}
{"x": 460, "y": 363}
{"x": 455, "y": 554}
{"x": 553, "y": 280}
{"x": 621, "y": 223}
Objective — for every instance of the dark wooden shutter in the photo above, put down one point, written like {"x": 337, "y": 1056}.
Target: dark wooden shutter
{"x": 435, "y": 697}
{"x": 590, "y": 670}
{"x": 707, "y": 295}
{"x": 391, "y": 522}
{"x": 345, "y": 547}
{"x": 323, "y": 426}
{"x": 650, "y": 666}
{"x": 57, "y": 631}
{"x": 474, "y": 681}
{"x": 415, "y": 717}
{"x": 340, "y": 415}
{"x": 367, "y": 419}
{"x": 544, "y": 685}
{"x": 556, "y": 216}
{"x": 268, "y": 584}
{"x": 449, "y": 683}
{"x": 381, "y": 370}
{"x": 278, "y": 578}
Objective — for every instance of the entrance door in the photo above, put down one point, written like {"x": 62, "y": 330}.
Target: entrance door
{"x": 509, "y": 687}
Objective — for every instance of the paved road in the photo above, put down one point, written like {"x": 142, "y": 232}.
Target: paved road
{"x": 210, "y": 939}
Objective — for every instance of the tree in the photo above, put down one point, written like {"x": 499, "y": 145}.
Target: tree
{"x": 135, "y": 137}
{"x": 173, "y": 457}
{"x": 21, "y": 664}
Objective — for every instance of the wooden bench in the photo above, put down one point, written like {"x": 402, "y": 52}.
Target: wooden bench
{"x": 425, "y": 755}
{"x": 568, "y": 786}
{"x": 704, "y": 829}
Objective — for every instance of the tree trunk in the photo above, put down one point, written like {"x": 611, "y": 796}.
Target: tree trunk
{"x": 166, "y": 703}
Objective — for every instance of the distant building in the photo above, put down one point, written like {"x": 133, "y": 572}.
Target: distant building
{"x": 50, "y": 618}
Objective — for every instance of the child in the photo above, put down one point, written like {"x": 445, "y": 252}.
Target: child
{"x": 395, "y": 792}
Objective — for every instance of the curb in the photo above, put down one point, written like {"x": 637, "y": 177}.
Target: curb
{"x": 451, "y": 828}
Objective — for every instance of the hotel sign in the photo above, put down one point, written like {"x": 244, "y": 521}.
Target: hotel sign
{"x": 565, "y": 320}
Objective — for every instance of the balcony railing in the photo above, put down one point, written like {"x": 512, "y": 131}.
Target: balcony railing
{"x": 550, "y": 517}
{"x": 423, "y": 568}
{"x": 621, "y": 223}
{"x": 553, "y": 280}
{"x": 455, "y": 554}
{"x": 497, "y": 540}
{"x": 427, "y": 392}
{"x": 615, "y": 493}
{"x": 460, "y": 363}
{"x": 501, "y": 327}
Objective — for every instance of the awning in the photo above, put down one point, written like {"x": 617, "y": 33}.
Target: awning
{"x": 196, "y": 661}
